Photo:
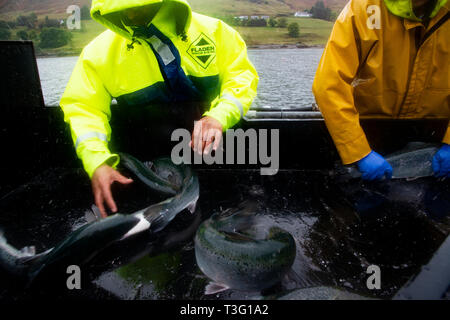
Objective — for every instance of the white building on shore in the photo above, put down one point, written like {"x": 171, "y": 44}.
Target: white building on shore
{"x": 303, "y": 14}
{"x": 252, "y": 17}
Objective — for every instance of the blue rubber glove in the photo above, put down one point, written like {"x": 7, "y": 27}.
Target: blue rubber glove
{"x": 441, "y": 162}
{"x": 374, "y": 167}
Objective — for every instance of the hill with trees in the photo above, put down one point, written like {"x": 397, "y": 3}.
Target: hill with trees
{"x": 211, "y": 7}
{"x": 262, "y": 23}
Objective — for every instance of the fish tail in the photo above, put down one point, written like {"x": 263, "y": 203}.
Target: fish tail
{"x": 192, "y": 206}
{"x": 10, "y": 256}
{"x": 214, "y": 287}
{"x": 2, "y": 236}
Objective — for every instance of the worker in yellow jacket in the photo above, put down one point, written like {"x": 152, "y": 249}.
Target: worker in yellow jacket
{"x": 385, "y": 59}
{"x": 154, "y": 51}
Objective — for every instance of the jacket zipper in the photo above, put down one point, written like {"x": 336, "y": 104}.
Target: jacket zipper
{"x": 418, "y": 46}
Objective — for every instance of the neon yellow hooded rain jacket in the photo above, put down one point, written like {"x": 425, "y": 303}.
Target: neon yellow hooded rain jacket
{"x": 382, "y": 62}
{"x": 124, "y": 65}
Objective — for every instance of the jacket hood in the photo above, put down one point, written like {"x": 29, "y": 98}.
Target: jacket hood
{"x": 404, "y": 8}
{"x": 174, "y": 16}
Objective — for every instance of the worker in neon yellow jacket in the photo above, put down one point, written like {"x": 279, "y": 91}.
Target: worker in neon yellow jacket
{"x": 155, "y": 51}
{"x": 385, "y": 59}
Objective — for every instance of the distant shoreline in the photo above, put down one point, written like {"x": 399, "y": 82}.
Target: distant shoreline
{"x": 253, "y": 47}
{"x": 284, "y": 46}
{"x": 59, "y": 55}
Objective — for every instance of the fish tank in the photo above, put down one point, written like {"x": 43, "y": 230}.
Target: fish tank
{"x": 345, "y": 232}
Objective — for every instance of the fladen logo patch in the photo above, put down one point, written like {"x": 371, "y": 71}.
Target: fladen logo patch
{"x": 202, "y": 50}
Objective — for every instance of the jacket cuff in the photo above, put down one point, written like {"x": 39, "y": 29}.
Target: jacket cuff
{"x": 447, "y": 136}
{"x": 227, "y": 113}
{"x": 355, "y": 150}
{"x": 93, "y": 158}
{"x": 97, "y": 159}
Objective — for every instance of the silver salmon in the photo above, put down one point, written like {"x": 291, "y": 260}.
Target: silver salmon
{"x": 236, "y": 259}
{"x": 83, "y": 244}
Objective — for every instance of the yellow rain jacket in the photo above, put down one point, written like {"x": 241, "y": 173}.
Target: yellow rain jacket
{"x": 382, "y": 62}
{"x": 124, "y": 64}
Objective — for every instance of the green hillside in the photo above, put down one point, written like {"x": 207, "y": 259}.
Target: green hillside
{"x": 57, "y": 8}
{"x": 313, "y": 32}
{"x": 241, "y": 7}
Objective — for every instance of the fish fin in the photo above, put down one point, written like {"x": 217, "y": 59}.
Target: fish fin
{"x": 25, "y": 254}
{"x": 30, "y": 259}
{"x": 214, "y": 287}
{"x": 248, "y": 207}
{"x": 192, "y": 206}
{"x": 245, "y": 209}
{"x": 4, "y": 241}
{"x": 29, "y": 251}
{"x": 237, "y": 237}
{"x": 293, "y": 277}
{"x": 149, "y": 165}
{"x": 158, "y": 223}
{"x": 93, "y": 215}
{"x": 142, "y": 225}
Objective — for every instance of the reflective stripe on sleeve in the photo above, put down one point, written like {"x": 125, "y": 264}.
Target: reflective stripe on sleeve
{"x": 90, "y": 135}
{"x": 235, "y": 101}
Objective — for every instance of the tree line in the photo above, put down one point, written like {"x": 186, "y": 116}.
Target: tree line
{"x": 47, "y": 33}
{"x": 52, "y": 33}
{"x": 320, "y": 11}
{"x": 273, "y": 22}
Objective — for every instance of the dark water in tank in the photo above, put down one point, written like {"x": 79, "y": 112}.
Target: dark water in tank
{"x": 340, "y": 229}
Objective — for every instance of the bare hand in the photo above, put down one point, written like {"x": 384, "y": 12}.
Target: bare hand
{"x": 102, "y": 180}
{"x": 206, "y": 136}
